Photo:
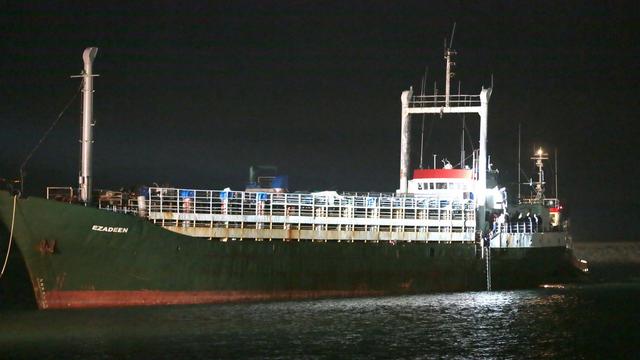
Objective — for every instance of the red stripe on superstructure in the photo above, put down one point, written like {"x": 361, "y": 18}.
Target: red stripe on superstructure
{"x": 442, "y": 174}
{"x": 57, "y": 299}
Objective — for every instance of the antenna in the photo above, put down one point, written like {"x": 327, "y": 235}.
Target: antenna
{"x": 448, "y": 54}
{"x": 453, "y": 32}
{"x": 462, "y": 154}
{"x": 424, "y": 84}
{"x": 519, "y": 130}
{"x": 556, "y": 172}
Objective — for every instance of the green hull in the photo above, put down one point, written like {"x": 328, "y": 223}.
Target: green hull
{"x": 84, "y": 257}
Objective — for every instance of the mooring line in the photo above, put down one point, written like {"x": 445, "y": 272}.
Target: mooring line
{"x": 13, "y": 217}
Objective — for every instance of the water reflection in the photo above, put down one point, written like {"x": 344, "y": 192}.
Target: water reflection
{"x": 515, "y": 324}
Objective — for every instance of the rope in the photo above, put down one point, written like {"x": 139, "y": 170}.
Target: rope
{"x": 44, "y": 136}
{"x": 13, "y": 218}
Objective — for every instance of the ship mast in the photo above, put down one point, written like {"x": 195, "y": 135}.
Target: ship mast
{"x": 539, "y": 185}
{"x": 448, "y": 54}
{"x": 462, "y": 154}
{"x": 555, "y": 173}
{"x": 85, "y": 179}
{"x": 519, "y": 170}
{"x": 446, "y": 104}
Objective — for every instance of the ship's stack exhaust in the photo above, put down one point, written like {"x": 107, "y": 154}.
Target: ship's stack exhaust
{"x": 86, "y": 177}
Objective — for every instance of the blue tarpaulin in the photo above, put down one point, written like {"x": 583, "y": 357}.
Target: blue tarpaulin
{"x": 280, "y": 182}
{"x": 187, "y": 193}
{"x": 144, "y": 191}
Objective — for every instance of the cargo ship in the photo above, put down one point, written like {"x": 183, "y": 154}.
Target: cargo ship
{"x": 442, "y": 230}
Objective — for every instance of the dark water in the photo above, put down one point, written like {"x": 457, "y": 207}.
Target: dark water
{"x": 583, "y": 321}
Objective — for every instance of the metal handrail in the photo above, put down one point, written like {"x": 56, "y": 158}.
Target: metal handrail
{"x": 520, "y": 227}
{"x": 441, "y": 101}
{"x": 61, "y": 193}
{"x": 193, "y": 207}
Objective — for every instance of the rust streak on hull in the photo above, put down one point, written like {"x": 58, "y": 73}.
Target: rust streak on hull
{"x": 112, "y": 298}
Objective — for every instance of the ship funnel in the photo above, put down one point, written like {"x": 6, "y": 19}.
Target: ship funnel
{"x": 85, "y": 179}
{"x": 88, "y": 55}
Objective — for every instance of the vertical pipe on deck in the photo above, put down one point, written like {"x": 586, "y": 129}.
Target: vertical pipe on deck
{"x": 405, "y": 141}
{"x": 86, "y": 178}
{"x": 485, "y": 94}
{"x": 447, "y": 84}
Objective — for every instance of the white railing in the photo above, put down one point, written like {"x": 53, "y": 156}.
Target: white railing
{"x": 548, "y": 202}
{"x": 171, "y": 207}
{"x": 418, "y": 101}
{"x": 128, "y": 207}
{"x": 526, "y": 226}
{"x": 61, "y": 193}
{"x": 116, "y": 201}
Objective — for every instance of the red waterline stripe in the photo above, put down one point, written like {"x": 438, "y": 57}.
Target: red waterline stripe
{"x": 57, "y": 299}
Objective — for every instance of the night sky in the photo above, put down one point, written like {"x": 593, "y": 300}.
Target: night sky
{"x": 192, "y": 95}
